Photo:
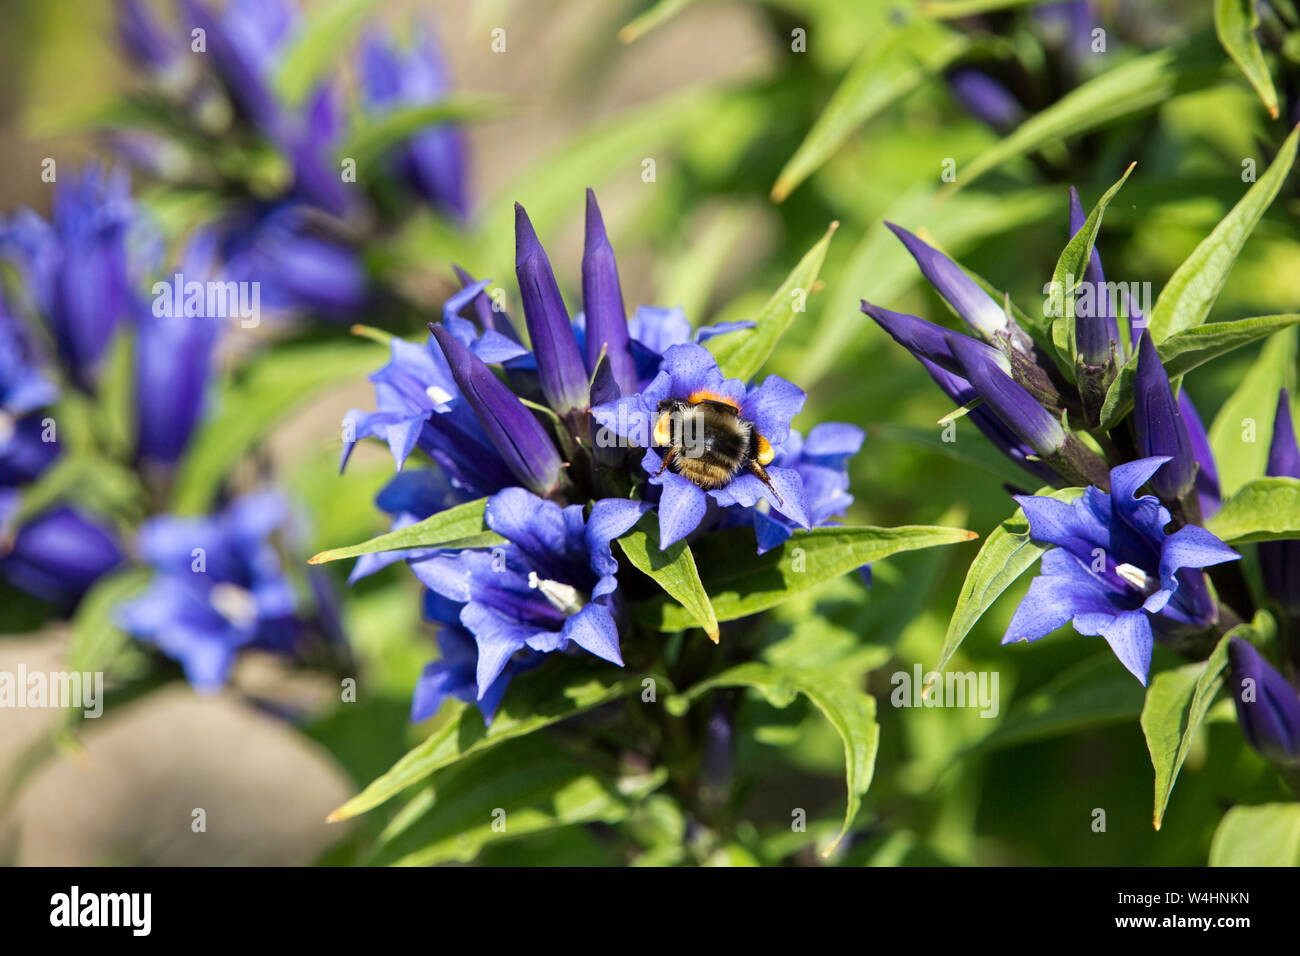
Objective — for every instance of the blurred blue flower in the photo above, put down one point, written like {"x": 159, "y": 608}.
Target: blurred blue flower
{"x": 79, "y": 269}
{"x": 1114, "y": 571}
{"x": 24, "y": 390}
{"x": 432, "y": 162}
{"x": 554, "y": 583}
{"x": 219, "y": 586}
{"x": 985, "y": 98}
{"x": 690, "y": 372}
{"x": 59, "y": 554}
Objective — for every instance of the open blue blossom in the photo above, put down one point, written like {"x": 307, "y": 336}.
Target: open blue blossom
{"x": 553, "y": 584}
{"x": 1114, "y": 571}
{"x": 79, "y": 268}
{"x": 690, "y": 371}
{"x": 24, "y": 390}
{"x": 219, "y": 587}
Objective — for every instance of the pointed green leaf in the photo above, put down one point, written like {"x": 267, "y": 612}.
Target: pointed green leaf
{"x": 1184, "y": 351}
{"x": 673, "y": 569}
{"x": 1187, "y": 298}
{"x": 569, "y": 688}
{"x": 1234, "y": 21}
{"x": 1007, "y": 553}
{"x": 741, "y": 353}
{"x": 1267, "y": 834}
{"x": 894, "y": 64}
{"x": 740, "y": 582}
{"x": 459, "y": 527}
{"x": 1240, "y": 432}
{"x": 1176, "y": 704}
{"x": 1266, "y": 509}
{"x": 658, "y": 14}
{"x": 851, "y": 711}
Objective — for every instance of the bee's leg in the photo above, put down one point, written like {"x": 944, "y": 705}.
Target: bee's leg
{"x": 668, "y": 460}
{"x": 761, "y": 472}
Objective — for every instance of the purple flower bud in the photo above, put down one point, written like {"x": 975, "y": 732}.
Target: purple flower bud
{"x": 516, "y": 435}
{"x": 1279, "y": 561}
{"x": 1268, "y": 708}
{"x": 59, "y": 555}
{"x": 975, "y": 306}
{"x": 487, "y": 317}
{"x": 559, "y": 363}
{"x": 602, "y": 301}
{"x": 1095, "y": 329}
{"x": 1019, "y": 410}
{"x": 142, "y": 37}
{"x": 1159, "y": 425}
{"x": 986, "y": 99}
{"x": 173, "y": 359}
{"x": 928, "y": 341}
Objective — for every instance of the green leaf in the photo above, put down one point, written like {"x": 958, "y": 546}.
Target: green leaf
{"x": 1266, "y": 509}
{"x": 851, "y": 711}
{"x": 1267, "y": 834}
{"x": 1007, "y": 553}
{"x": 1131, "y": 88}
{"x": 96, "y": 638}
{"x": 372, "y": 138}
{"x": 1070, "y": 268}
{"x": 459, "y": 527}
{"x": 1187, "y": 297}
{"x": 1234, "y": 21}
{"x": 526, "y": 787}
{"x": 892, "y": 65}
{"x": 656, "y": 16}
{"x": 1176, "y": 704}
{"x": 673, "y": 570}
{"x": 741, "y": 353}
{"x": 949, "y": 9}
{"x": 320, "y": 45}
{"x": 740, "y": 582}
{"x": 1186, "y": 350}
{"x": 1239, "y": 433}
{"x": 270, "y": 387}
{"x": 569, "y": 688}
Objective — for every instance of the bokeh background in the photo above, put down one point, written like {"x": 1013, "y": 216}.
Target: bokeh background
{"x": 720, "y": 95}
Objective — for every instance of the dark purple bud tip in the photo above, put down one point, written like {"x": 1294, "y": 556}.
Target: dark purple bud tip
{"x": 602, "y": 301}
{"x": 1018, "y": 409}
{"x": 560, "y": 367}
{"x": 1160, "y": 427}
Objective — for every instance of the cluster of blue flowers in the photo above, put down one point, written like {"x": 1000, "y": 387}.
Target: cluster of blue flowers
{"x": 1123, "y": 565}
{"x": 561, "y": 442}
{"x": 221, "y": 581}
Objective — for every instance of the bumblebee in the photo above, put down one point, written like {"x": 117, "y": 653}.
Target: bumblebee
{"x": 709, "y": 443}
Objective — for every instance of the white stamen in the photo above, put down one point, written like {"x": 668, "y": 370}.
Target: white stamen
{"x": 1136, "y": 577}
{"x": 8, "y": 425}
{"x": 563, "y": 597}
{"x": 438, "y": 395}
{"x": 237, "y": 605}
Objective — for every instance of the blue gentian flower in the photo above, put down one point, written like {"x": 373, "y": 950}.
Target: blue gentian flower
{"x": 1268, "y": 707}
{"x": 219, "y": 587}
{"x": 410, "y": 496}
{"x": 59, "y": 554}
{"x": 1207, "y": 472}
{"x": 24, "y": 390}
{"x": 433, "y": 161}
{"x": 1114, "y": 571}
{"x": 79, "y": 268}
{"x": 985, "y": 98}
{"x": 1096, "y": 330}
{"x": 688, "y": 373}
{"x": 554, "y": 583}
{"x": 1158, "y": 422}
{"x": 455, "y": 672}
